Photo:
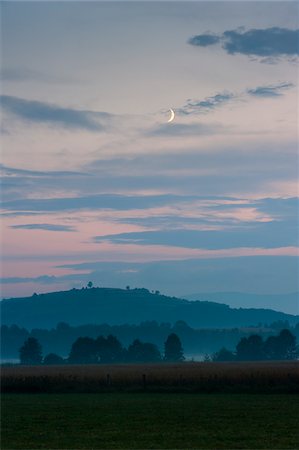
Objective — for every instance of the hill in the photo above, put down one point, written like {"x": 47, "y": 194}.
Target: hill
{"x": 118, "y": 306}
{"x": 288, "y": 303}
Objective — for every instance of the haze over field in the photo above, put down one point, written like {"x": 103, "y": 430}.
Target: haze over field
{"x": 98, "y": 186}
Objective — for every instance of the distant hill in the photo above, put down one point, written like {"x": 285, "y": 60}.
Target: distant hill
{"x": 288, "y": 303}
{"x": 118, "y": 306}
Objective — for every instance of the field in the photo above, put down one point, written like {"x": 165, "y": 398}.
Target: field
{"x": 149, "y": 421}
{"x": 191, "y": 405}
{"x": 263, "y": 377}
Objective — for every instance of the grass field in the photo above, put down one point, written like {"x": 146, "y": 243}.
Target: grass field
{"x": 149, "y": 421}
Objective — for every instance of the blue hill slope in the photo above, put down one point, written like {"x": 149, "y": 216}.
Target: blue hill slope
{"x": 118, "y": 306}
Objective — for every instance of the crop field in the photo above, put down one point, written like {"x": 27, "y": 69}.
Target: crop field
{"x": 149, "y": 421}
{"x": 259, "y": 377}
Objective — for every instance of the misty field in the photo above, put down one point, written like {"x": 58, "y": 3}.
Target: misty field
{"x": 149, "y": 421}
{"x": 259, "y": 377}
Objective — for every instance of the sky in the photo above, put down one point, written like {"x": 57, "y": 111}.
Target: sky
{"x": 97, "y": 185}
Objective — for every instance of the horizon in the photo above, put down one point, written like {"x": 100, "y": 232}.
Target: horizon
{"x": 97, "y": 185}
{"x": 237, "y": 300}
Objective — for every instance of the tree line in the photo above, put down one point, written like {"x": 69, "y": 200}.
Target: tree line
{"x": 254, "y": 348}
{"x": 109, "y": 350}
{"x": 104, "y": 350}
{"x": 194, "y": 341}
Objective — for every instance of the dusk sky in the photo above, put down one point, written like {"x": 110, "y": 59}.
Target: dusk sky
{"x": 97, "y": 185}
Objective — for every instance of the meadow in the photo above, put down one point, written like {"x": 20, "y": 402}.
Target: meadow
{"x": 149, "y": 421}
{"x": 186, "y": 405}
{"x": 259, "y": 377}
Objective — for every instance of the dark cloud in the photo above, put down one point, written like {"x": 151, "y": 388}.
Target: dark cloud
{"x": 43, "y": 226}
{"x": 43, "y": 279}
{"x": 282, "y": 211}
{"x": 204, "y": 40}
{"x": 15, "y": 172}
{"x": 264, "y": 42}
{"x": 268, "y": 42}
{"x": 207, "y": 104}
{"x": 274, "y": 90}
{"x": 95, "y": 202}
{"x": 193, "y": 106}
{"x": 15, "y": 182}
{"x": 280, "y": 208}
{"x": 263, "y": 235}
{"x": 40, "y": 112}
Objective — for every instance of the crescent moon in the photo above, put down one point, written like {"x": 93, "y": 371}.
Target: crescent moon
{"x": 172, "y": 116}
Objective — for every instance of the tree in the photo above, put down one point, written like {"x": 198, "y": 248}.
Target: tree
{"x": 31, "y": 352}
{"x": 250, "y": 349}
{"x": 270, "y": 348}
{"x": 90, "y": 284}
{"x": 287, "y": 345}
{"x": 173, "y": 350}
{"x": 53, "y": 359}
{"x": 282, "y": 346}
{"x": 143, "y": 352}
{"x": 223, "y": 355}
{"x": 109, "y": 350}
{"x": 83, "y": 351}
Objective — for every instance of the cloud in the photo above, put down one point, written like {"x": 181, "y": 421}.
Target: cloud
{"x": 43, "y": 279}
{"x": 272, "y": 42}
{"x": 40, "y": 112}
{"x": 272, "y": 90}
{"x": 203, "y": 40}
{"x": 95, "y": 202}
{"x": 206, "y": 105}
{"x": 13, "y": 172}
{"x": 209, "y": 104}
{"x": 220, "y": 215}
{"x": 43, "y": 226}
{"x": 216, "y": 224}
{"x": 182, "y": 129}
{"x": 258, "y": 235}
{"x": 241, "y": 168}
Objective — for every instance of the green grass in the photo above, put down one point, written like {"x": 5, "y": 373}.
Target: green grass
{"x": 149, "y": 421}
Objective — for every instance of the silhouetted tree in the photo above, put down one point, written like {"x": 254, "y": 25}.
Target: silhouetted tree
{"x": 83, "y": 351}
{"x": 287, "y": 345}
{"x": 270, "y": 348}
{"x": 282, "y": 346}
{"x": 223, "y": 355}
{"x": 173, "y": 350}
{"x": 90, "y": 284}
{"x": 109, "y": 350}
{"x": 143, "y": 352}
{"x": 53, "y": 359}
{"x": 31, "y": 352}
{"x": 250, "y": 349}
